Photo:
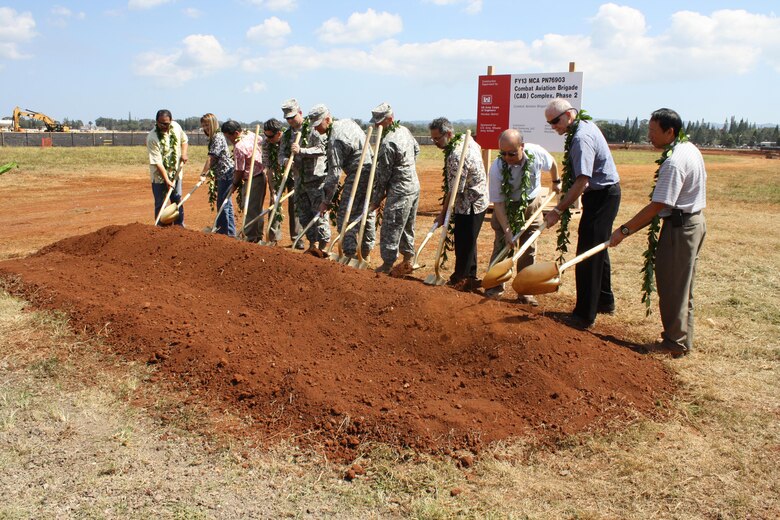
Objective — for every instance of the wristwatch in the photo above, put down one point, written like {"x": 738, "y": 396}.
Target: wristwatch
{"x": 557, "y": 181}
{"x": 625, "y": 230}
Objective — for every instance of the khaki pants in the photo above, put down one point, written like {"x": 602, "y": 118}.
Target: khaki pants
{"x": 498, "y": 241}
{"x": 675, "y": 269}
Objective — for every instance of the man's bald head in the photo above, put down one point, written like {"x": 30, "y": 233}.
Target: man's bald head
{"x": 511, "y": 136}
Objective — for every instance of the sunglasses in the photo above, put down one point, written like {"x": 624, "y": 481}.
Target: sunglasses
{"x": 554, "y": 121}
{"x": 271, "y": 136}
{"x": 508, "y": 154}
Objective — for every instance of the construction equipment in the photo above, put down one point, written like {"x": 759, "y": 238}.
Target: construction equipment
{"x": 51, "y": 124}
{"x": 502, "y": 271}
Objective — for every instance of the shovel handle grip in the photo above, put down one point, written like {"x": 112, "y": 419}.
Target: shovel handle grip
{"x": 286, "y": 173}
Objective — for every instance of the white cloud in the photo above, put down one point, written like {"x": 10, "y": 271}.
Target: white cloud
{"x": 271, "y": 32}
{"x": 615, "y": 48}
{"x": 64, "y": 15}
{"x": 443, "y": 60}
{"x": 191, "y": 12}
{"x": 145, "y": 4}
{"x": 15, "y": 28}
{"x": 472, "y": 6}
{"x": 361, "y": 28}
{"x": 254, "y": 88}
{"x": 276, "y": 5}
{"x": 201, "y": 54}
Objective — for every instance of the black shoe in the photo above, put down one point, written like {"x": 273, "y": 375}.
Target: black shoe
{"x": 575, "y": 321}
{"x": 606, "y": 309}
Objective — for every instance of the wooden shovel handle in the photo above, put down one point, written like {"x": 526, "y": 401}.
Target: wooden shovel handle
{"x": 584, "y": 256}
{"x": 352, "y": 192}
{"x": 286, "y": 173}
{"x": 170, "y": 192}
{"x": 369, "y": 190}
{"x": 251, "y": 173}
{"x": 451, "y": 203}
{"x": 505, "y": 251}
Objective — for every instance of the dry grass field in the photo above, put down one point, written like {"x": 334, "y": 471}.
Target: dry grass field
{"x": 76, "y": 442}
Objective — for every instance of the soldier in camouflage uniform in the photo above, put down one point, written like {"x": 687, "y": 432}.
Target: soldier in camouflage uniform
{"x": 396, "y": 180}
{"x": 309, "y": 169}
{"x": 344, "y": 141}
{"x": 294, "y": 116}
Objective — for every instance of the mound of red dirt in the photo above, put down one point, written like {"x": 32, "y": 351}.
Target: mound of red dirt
{"x": 337, "y": 356}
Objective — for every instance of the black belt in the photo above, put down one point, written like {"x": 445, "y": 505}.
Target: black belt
{"x": 677, "y": 213}
{"x": 679, "y": 217}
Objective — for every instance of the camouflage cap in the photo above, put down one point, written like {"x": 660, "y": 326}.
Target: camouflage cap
{"x": 290, "y": 108}
{"x": 317, "y": 114}
{"x": 380, "y": 113}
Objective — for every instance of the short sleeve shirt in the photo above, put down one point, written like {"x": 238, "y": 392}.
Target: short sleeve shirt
{"x": 591, "y": 157}
{"x": 542, "y": 162}
{"x": 682, "y": 181}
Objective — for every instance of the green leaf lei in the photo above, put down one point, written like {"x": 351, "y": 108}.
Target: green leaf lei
{"x": 170, "y": 159}
{"x": 648, "y": 269}
{"x": 449, "y": 244}
{"x": 568, "y": 180}
{"x": 515, "y": 209}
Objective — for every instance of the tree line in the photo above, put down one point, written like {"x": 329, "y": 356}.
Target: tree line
{"x": 732, "y": 134}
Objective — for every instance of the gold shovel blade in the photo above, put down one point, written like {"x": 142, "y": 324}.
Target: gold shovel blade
{"x": 496, "y": 275}
{"x": 546, "y": 286}
{"x": 536, "y": 273}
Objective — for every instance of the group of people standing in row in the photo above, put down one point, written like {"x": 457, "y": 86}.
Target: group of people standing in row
{"x": 322, "y": 148}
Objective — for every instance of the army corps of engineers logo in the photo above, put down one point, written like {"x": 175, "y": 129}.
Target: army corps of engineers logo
{"x": 487, "y": 99}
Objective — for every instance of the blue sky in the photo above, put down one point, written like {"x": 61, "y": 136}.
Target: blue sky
{"x": 241, "y": 58}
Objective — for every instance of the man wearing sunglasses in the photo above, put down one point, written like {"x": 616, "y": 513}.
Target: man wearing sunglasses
{"x": 596, "y": 178}
{"x": 167, "y": 146}
{"x": 471, "y": 201}
{"x": 294, "y": 117}
{"x": 517, "y": 160}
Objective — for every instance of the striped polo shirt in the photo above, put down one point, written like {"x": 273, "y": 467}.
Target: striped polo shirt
{"x": 682, "y": 181}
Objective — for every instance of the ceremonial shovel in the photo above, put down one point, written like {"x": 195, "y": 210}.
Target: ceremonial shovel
{"x": 302, "y": 233}
{"x": 545, "y": 277}
{"x": 435, "y": 278}
{"x": 360, "y": 262}
{"x": 502, "y": 254}
{"x": 335, "y": 256}
{"x": 265, "y": 212}
{"x": 168, "y": 195}
{"x": 249, "y": 181}
{"x": 415, "y": 265}
{"x": 344, "y": 227}
{"x": 171, "y": 212}
{"x": 502, "y": 271}
{"x": 279, "y": 194}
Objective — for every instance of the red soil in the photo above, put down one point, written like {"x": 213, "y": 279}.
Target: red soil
{"x": 338, "y": 356}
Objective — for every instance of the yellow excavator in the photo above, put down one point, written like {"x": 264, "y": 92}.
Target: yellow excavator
{"x": 51, "y": 124}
